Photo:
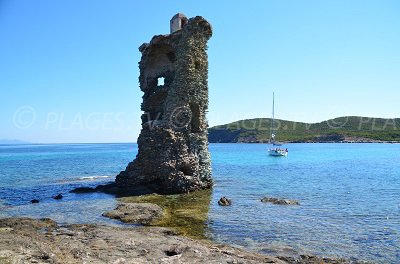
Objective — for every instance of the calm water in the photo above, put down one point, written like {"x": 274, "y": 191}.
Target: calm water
{"x": 349, "y": 193}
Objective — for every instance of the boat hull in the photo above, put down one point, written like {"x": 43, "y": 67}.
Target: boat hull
{"x": 277, "y": 152}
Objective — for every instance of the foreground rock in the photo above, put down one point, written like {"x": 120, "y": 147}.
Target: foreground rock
{"x": 24, "y": 240}
{"x": 280, "y": 201}
{"x": 136, "y": 213}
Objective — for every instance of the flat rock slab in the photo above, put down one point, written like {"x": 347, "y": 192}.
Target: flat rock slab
{"x": 25, "y": 240}
{"x": 280, "y": 201}
{"x": 136, "y": 213}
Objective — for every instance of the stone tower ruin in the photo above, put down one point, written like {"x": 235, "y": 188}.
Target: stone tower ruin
{"x": 173, "y": 154}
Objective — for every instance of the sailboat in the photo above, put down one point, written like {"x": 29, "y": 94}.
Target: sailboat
{"x": 276, "y": 149}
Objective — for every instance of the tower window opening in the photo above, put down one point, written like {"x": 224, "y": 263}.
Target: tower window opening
{"x": 160, "y": 81}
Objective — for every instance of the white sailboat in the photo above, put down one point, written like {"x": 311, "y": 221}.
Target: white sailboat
{"x": 276, "y": 149}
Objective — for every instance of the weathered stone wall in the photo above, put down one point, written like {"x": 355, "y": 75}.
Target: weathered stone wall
{"x": 177, "y": 22}
{"x": 173, "y": 154}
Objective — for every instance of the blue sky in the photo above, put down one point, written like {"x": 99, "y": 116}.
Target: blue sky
{"x": 68, "y": 68}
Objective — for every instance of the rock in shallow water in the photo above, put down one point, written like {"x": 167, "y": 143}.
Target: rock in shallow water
{"x": 280, "y": 201}
{"x": 136, "y": 213}
{"x": 83, "y": 190}
{"x": 58, "y": 196}
{"x": 224, "y": 201}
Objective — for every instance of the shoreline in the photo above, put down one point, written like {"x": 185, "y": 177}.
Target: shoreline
{"x": 156, "y": 240}
{"x": 44, "y": 241}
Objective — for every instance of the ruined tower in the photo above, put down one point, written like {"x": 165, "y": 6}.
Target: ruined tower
{"x": 173, "y": 154}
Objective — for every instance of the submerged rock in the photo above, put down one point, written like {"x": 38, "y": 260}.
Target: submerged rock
{"x": 280, "y": 201}
{"x": 58, "y": 196}
{"x": 110, "y": 188}
{"x": 83, "y": 190}
{"x": 224, "y": 201}
{"x": 186, "y": 213}
{"x": 136, "y": 213}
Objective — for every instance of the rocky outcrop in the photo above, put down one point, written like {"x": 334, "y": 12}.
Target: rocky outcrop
{"x": 84, "y": 190}
{"x": 329, "y": 138}
{"x": 136, "y": 213}
{"x": 24, "y": 240}
{"x": 173, "y": 154}
{"x": 280, "y": 201}
{"x": 112, "y": 188}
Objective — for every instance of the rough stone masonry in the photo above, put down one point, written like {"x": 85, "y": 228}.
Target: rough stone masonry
{"x": 173, "y": 154}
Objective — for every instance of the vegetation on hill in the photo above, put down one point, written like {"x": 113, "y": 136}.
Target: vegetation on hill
{"x": 341, "y": 129}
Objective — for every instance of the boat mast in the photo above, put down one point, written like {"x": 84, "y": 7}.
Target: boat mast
{"x": 272, "y": 135}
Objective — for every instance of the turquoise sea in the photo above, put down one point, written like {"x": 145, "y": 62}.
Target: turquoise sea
{"x": 349, "y": 194}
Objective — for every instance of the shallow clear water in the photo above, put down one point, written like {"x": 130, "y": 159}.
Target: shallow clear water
{"x": 349, "y": 193}
{"x": 42, "y": 171}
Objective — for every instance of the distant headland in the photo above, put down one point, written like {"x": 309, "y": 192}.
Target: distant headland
{"x": 348, "y": 129}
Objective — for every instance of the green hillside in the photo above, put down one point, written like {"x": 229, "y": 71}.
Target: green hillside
{"x": 341, "y": 129}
